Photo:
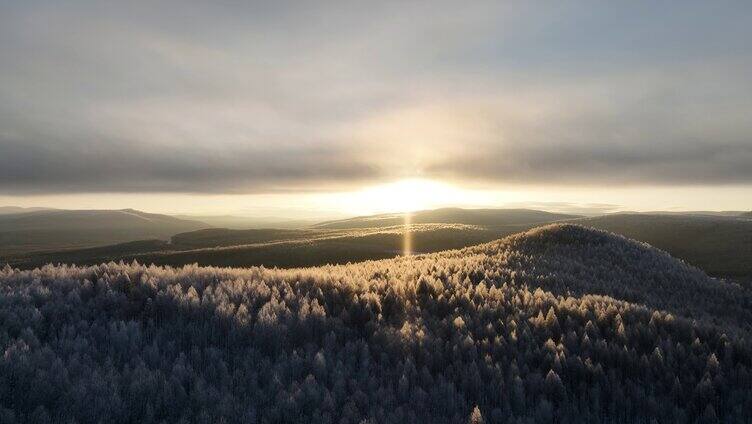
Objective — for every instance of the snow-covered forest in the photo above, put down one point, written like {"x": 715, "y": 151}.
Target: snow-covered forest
{"x": 560, "y": 324}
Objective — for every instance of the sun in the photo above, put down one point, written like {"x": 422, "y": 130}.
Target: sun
{"x": 407, "y": 195}
{"x": 404, "y": 195}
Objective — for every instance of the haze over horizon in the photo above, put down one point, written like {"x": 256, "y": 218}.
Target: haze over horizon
{"x": 340, "y": 109}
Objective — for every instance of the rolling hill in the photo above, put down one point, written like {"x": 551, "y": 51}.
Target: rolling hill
{"x": 271, "y": 247}
{"x": 559, "y": 324}
{"x": 331, "y": 242}
{"x": 222, "y": 237}
{"x": 65, "y": 229}
{"x": 720, "y": 245}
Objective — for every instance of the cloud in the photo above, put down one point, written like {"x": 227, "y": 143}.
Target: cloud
{"x": 249, "y": 98}
{"x": 672, "y": 132}
{"x": 120, "y": 167}
{"x": 594, "y": 165}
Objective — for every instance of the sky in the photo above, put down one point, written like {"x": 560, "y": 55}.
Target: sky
{"x": 339, "y": 108}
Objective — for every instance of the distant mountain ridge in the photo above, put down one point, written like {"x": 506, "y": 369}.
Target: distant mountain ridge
{"x": 63, "y": 229}
{"x": 88, "y": 219}
{"x": 486, "y": 217}
{"x": 4, "y": 210}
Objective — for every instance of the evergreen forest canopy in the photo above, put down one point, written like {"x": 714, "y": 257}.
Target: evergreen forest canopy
{"x": 559, "y": 324}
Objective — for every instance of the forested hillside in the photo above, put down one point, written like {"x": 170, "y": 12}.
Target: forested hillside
{"x": 720, "y": 245}
{"x": 561, "y": 324}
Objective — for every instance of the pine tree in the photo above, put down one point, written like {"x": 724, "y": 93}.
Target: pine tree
{"x": 476, "y": 417}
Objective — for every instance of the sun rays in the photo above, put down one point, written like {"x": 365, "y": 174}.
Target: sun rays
{"x": 407, "y": 239}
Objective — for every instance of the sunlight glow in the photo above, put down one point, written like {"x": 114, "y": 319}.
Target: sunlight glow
{"x": 407, "y": 239}
{"x": 409, "y": 195}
